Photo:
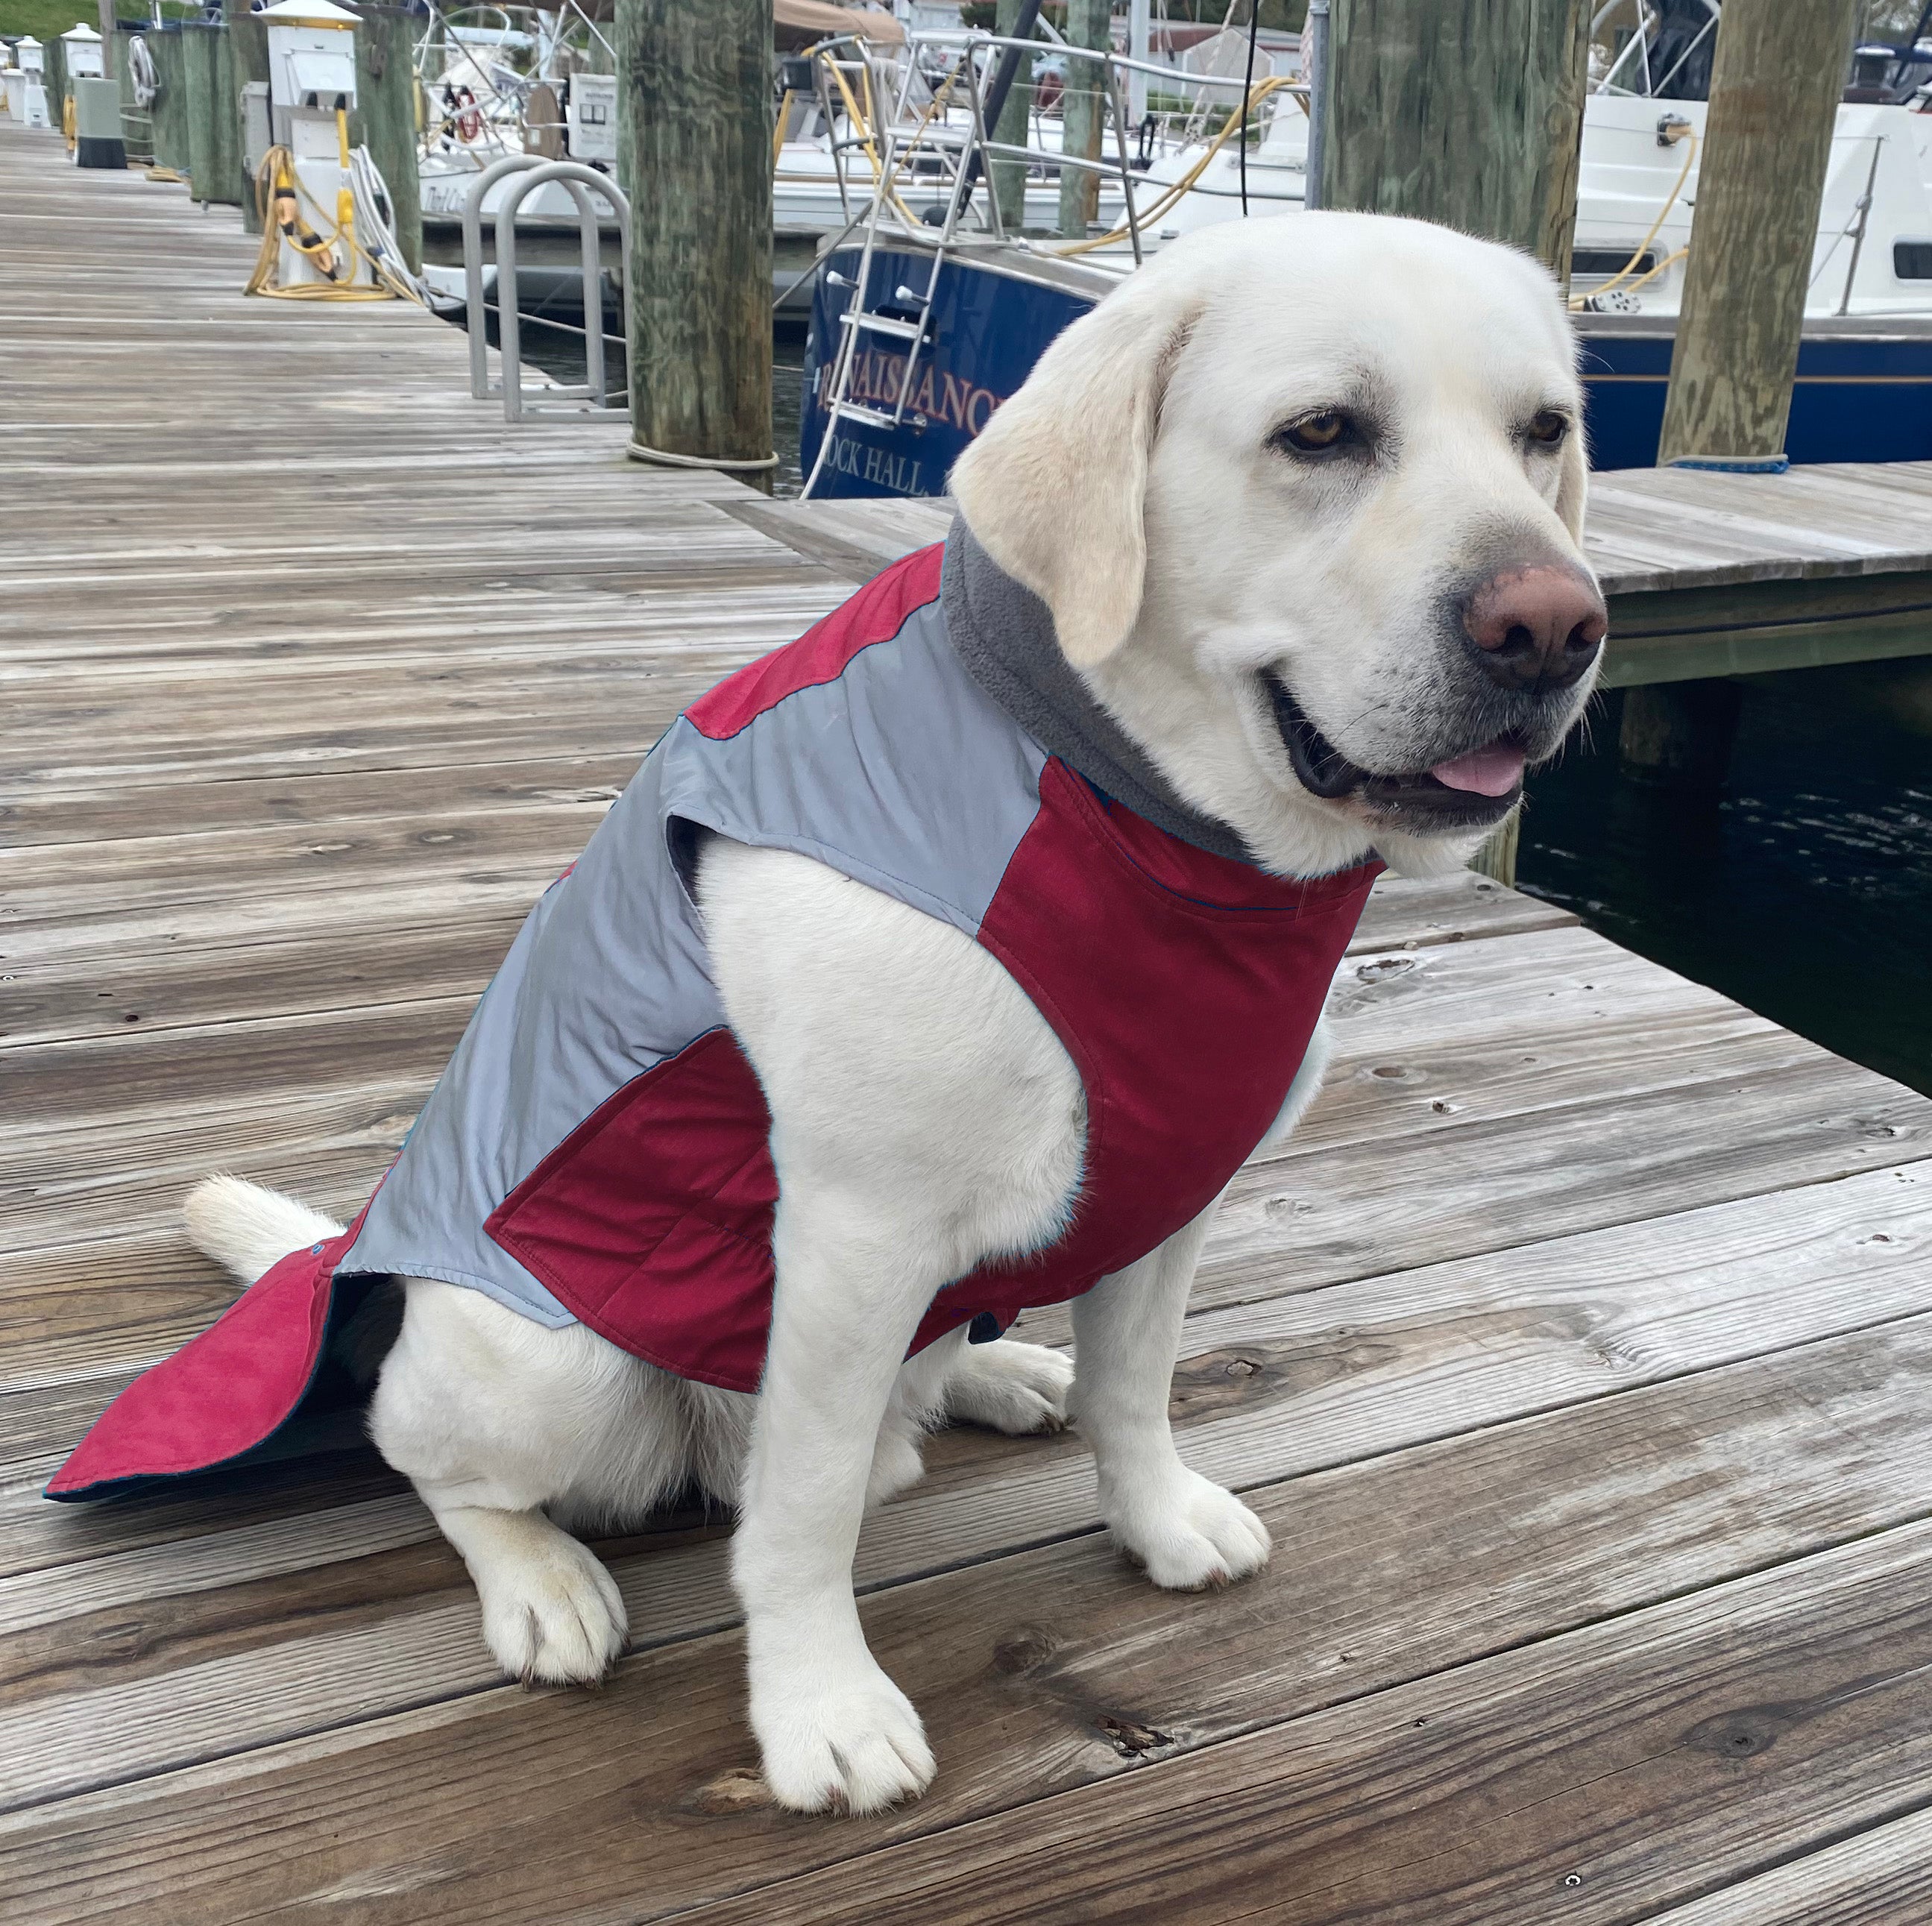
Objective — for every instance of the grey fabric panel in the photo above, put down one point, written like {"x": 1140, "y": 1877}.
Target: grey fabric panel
{"x": 1004, "y": 634}
{"x": 904, "y": 774}
{"x": 607, "y": 977}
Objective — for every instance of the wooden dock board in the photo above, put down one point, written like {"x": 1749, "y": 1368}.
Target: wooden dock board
{"x": 1577, "y": 1350}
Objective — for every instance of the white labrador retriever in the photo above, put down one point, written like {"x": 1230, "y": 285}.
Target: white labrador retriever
{"x": 1303, "y": 499}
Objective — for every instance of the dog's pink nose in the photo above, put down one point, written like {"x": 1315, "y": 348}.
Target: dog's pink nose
{"x": 1537, "y": 628}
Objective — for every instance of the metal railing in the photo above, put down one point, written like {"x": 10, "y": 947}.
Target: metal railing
{"x": 582, "y": 182}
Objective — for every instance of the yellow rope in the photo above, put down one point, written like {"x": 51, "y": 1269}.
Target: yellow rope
{"x": 1147, "y": 216}
{"x": 777, "y": 130}
{"x": 1669, "y": 260}
{"x": 277, "y": 182}
{"x": 67, "y": 122}
{"x": 1688, "y": 135}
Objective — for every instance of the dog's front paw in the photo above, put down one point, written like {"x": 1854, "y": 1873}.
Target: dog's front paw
{"x": 841, "y": 1735}
{"x": 1189, "y": 1533}
{"x": 556, "y": 1617}
{"x": 1011, "y": 1386}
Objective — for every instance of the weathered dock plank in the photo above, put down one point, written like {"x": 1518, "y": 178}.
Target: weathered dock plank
{"x": 1575, "y": 1350}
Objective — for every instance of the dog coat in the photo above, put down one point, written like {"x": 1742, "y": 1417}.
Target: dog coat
{"x": 597, "y": 1150}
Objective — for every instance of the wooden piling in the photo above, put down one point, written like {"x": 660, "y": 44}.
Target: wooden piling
{"x": 226, "y": 147}
{"x": 1466, "y": 111}
{"x": 385, "y": 119}
{"x": 137, "y": 125}
{"x": 169, "y": 112}
{"x": 1009, "y": 177}
{"x": 694, "y": 155}
{"x": 53, "y": 77}
{"x": 248, "y": 50}
{"x": 1775, "y": 86}
{"x": 214, "y": 126}
{"x": 1678, "y": 735}
{"x": 1088, "y": 24}
{"x": 197, "y": 40}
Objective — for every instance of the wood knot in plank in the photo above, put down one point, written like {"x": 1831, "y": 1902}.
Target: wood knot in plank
{"x": 1744, "y": 1733}
{"x": 1025, "y": 1651}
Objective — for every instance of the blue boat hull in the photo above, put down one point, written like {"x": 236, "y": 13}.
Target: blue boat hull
{"x": 1857, "y": 398}
{"x": 987, "y": 330}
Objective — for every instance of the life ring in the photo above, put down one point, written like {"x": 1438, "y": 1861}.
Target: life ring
{"x": 469, "y": 122}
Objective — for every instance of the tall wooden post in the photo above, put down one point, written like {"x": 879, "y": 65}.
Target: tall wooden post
{"x": 198, "y": 76}
{"x": 228, "y": 185}
{"x": 53, "y": 77}
{"x": 1775, "y": 83}
{"x": 170, "y": 108}
{"x": 1466, "y": 111}
{"x": 1088, "y": 24}
{"x": 694, "y": 155}
{"x": 1015, "y": 116}
{"x": 1774, "y": 88}
{"x": 137, "y": 127}
{"x": 385, "y": 120}
{"x": 248, "y": 48}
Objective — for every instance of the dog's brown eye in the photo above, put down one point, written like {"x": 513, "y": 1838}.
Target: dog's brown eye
{"x": 1549, "y": 427}
{"x": 1314, "y": 433}
{"x": 1320, "y": 433}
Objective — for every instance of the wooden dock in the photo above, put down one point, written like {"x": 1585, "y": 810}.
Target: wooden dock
{"x": 1579, "y": 1351}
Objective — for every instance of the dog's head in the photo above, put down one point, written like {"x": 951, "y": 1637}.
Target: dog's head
{"x": 1304, "y": 497}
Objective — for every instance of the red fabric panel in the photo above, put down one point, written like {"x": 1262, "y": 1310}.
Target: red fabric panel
{"x": 876, "y": 614}
{"x": 223, "y": 1393}
{"x": 652, "y": 1222}
{"x": 1185, "y": 988}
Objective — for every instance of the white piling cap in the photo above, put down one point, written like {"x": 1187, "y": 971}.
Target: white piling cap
{"x": 309, "y": 13}
{"x": 82, "y": 32}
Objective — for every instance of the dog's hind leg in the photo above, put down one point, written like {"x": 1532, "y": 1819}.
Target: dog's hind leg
{"x": 1010, "y": 1386}
{"x": 498, "y": 1421}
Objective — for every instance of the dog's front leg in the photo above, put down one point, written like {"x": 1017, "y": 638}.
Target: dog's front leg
{"x": 1186, "y": 1530}
{"x": 851, "y": 1286}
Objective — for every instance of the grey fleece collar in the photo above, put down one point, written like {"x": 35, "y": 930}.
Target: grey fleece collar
{"x": 1003, "y": 633}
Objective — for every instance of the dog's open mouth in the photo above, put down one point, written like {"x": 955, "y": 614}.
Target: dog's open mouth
{"x": 1467, "y": 790}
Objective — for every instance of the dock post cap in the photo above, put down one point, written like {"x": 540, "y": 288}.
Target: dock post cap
{"x": 81, "y": 32}
{"x": 641, "y": 451}
{"x": 1733, "y": 464}
{"x": 309, "y": 14}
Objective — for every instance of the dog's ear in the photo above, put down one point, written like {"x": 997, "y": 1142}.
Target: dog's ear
{"x": 1572, "y": 488}
{"x": 1055, "y": 488}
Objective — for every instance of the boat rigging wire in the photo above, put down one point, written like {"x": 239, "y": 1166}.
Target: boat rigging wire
{"x": 1247, "y": 94}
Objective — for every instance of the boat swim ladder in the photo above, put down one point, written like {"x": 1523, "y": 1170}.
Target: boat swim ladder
{"x": 582, "y": 182}
{"x": 864, "y": 322}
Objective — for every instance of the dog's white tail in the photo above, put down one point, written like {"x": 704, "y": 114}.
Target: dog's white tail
{"x": 249, "y": 1227}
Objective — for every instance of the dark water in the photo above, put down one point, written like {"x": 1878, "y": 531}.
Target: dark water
{"x": 1804, "y": 891}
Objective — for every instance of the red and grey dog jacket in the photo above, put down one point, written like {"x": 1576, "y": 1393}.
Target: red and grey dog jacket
{"x": 596, "y": 1150}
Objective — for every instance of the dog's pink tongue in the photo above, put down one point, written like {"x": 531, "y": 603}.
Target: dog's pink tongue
{"x": 1494, "y": 771}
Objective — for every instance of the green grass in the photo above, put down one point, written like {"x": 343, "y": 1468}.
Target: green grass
{"x": 48, "y": 19}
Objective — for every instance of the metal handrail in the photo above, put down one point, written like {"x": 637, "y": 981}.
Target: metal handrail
{"x": 475, "y": 317}
{"x": 582, "y": 182}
